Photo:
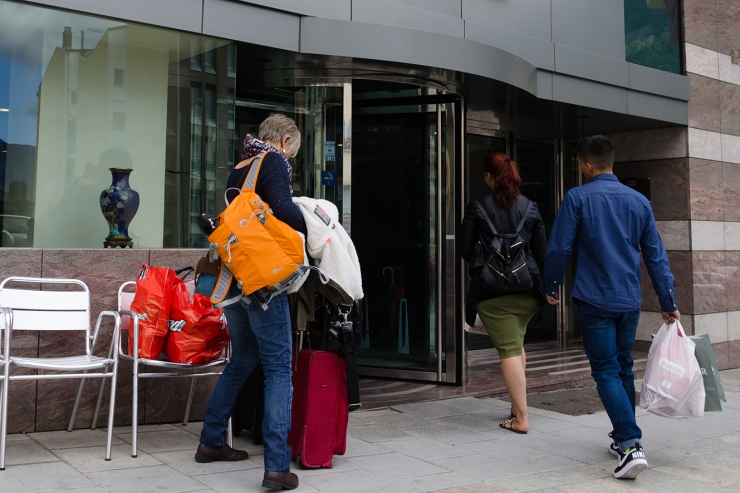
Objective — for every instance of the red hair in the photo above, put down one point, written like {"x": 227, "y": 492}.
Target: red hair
{"x": 506, "y": 178}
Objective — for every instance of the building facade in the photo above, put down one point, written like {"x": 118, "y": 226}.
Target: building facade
{"x": 397, "y": 102}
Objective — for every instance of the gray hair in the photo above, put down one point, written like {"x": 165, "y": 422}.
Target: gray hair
{"x": 276, "y": 127}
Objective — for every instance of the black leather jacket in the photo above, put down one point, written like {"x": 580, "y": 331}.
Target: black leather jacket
{"x": 475, "y": 228}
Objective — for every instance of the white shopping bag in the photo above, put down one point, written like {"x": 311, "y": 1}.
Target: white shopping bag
{"x": 673, "y": 384}
{"x": 476, "y": 328}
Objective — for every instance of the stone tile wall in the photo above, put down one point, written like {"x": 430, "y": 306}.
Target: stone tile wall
{"x": 46, "y": 404}
{"x": 695, "y": 175}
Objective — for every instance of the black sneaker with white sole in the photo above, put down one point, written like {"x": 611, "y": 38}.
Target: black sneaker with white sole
{"x": 631, "y": 463}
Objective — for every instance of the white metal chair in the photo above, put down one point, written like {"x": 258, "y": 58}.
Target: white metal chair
{"x": 176, "y": 370}
{"x": 7, "y": 318}
{"x": 55, "y": 308}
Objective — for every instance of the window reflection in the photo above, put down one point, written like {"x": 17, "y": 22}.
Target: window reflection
{"x": 80, "y": 95}
{"x": 652, "y": 33}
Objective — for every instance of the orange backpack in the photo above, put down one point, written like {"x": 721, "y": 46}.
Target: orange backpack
{"x": 263, "y": 253}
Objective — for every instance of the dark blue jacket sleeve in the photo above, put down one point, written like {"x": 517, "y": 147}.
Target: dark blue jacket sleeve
{"x": 658, "y": 267}
{"x": 273, "y": 186}
{"x": 562, "y": 238}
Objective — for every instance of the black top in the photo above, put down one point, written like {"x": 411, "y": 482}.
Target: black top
{"x": 475, "y": 228}
{"x": 273, "y": 187}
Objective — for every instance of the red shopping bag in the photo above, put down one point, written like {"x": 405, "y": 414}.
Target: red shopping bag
{"x": 152, "y": 303}
{"x": 197, "y": 331}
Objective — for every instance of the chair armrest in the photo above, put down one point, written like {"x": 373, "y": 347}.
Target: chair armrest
{"x": 116, "y": 331}
{"x": 7, "y": 329}
{"x": 135, "y": 317}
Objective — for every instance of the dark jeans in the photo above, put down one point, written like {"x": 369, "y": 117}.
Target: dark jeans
{"x": 608, "y": 338}
{"x": 256, "y": 336}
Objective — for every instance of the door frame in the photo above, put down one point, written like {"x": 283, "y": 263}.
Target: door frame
{"x": 448, "y": 337}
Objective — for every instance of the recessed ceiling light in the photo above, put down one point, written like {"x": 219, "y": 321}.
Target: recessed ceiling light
{"x": 4, "y": 110}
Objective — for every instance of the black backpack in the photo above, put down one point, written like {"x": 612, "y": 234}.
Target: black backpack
{"x": 506, "y": 269}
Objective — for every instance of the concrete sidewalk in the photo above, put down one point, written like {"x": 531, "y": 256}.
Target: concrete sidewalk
{"x": 451, "y": 446}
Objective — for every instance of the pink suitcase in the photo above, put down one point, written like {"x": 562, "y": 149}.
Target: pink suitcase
{"x": 320, "y": 408}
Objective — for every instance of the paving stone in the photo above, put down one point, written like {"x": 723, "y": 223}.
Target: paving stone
{"x": 451, "y": 435}
{"x": 89, "y": 459}
{"x": 54, "y": 440}
{"x": 398, "y": 421}
{"x": 29, "y": 452}
{"x": 509, "y": 453}
{"x": 435, "y": 482}
{"x": 426, "y": 449}
{"x": 184, "y": 461}
{"x": 468, "y": 422}
{"x": 377, "y": 433}
{"x": 167, "y": 441}
{"x": 42, "y": 477}
{"x": 355, "y": 481}
{"x": 427, "y": 410}
{"x": 153, "y": 479}
{"x": 395, "y": 465}
{"x": 358, "y": 448}
{"x": 704, "y": 473}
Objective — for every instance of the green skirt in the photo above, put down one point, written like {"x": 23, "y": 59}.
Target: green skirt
{"x": 505, "y": 319}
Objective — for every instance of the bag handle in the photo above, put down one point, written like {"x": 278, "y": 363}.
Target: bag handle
{"x": 490, "y": 224}
{"x": 187, "y": 270}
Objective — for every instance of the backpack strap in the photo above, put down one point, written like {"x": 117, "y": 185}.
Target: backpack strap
{"x": 251, "y": 181}
{"x": 485, "y": 216}
{"x": 490, "y": 224}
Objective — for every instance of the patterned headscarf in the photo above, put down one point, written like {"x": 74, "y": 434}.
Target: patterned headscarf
{"x": 253, "y": 146}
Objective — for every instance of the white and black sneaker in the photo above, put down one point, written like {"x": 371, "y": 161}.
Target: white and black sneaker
{"x": 614, "y": 446}
{"x": 631, "y": 463}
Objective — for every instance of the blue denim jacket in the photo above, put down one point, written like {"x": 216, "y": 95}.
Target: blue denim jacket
{"x": 609, "y": 225}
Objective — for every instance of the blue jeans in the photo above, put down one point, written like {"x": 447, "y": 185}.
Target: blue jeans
{"x": 608, "y": 338}
{"x": 256, "y": 336}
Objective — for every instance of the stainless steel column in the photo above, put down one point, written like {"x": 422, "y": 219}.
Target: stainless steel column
{"x": 347, "y": 158}
{"x": 440, "y": 244}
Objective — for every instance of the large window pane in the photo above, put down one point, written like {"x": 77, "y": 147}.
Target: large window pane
{"x": 652, "y": 33}
{"x": 80, "y": 95}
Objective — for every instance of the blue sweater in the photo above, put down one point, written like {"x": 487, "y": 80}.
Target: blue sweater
{"x": 273, "y": 187}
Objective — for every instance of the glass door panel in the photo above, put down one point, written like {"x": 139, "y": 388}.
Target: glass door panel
{"x": 402, "y": 181}
{"x": 536, "y": 160}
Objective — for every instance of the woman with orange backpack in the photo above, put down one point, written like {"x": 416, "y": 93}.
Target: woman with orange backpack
{"x": 260, "y": 335}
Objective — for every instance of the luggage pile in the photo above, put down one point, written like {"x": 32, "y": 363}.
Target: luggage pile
{"x": 325, "y": 384}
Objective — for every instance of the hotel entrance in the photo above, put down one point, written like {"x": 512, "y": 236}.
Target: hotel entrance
{"x": 385, "y": 154}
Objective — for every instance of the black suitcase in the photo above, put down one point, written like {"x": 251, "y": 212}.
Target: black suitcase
{"x": 249, "y": 409}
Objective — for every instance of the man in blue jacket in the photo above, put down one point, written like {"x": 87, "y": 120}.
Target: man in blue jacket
{"x": 608, "y": 226}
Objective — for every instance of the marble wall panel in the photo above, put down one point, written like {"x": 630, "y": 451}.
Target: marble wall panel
{"x": 729, "y": 107}
{"x": 669, "y": 180}
{"x": 701, "y": 61}
{"x": 644, "y": 145}
{"x": 731, "y": 191}
{"x": 675, "y": 234}
{"x": 24, "y": 262}
{"x": 700, "y": 23}
{"x": 732, "y": 279}
{"x": 728, "y": 71}
{"x": 733, "y": 354}
{"x": 728, "y": 25}
{"x": 704, "y": 106}
{"x": 705, "y": 144}
{"x": 681, "y": 268}
{"x": 706, "y": 190}
{"x": 733, "y": 325}
{"x": 712, "y": 324}
{"x": 722, "y": 355}
{"x": 730, "y": 145}
{"x": 707, "y": 235}
{"x": 176, "y": 258}
{"x": 710, "y": 292}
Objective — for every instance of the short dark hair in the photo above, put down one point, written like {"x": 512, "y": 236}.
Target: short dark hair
{"x": 598, "y": 151}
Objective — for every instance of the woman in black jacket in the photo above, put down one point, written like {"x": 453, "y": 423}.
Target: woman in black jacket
{"x": 505, "y": 315}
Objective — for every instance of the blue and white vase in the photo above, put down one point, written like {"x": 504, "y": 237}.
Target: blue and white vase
{"x": 119, "y": 204}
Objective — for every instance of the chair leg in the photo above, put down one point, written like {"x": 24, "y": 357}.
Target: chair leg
{"x": 3, "y": 421}
{"x": 71, "y": 425}
{"x": 135, "y": 411}
{"x": 97, "y": 406}
{"x": 190, "y": 401}
{"x": 111, "y": 410}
